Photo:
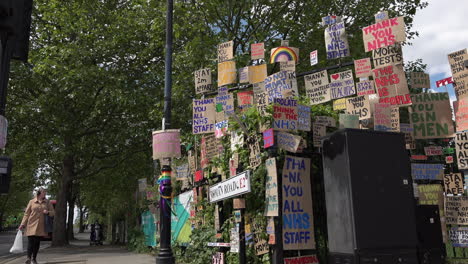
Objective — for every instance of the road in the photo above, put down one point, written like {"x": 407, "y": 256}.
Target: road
{"x": 6, "y": 241}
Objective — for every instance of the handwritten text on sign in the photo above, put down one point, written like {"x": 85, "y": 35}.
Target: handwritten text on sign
{"x": 459, "y": 236}
{"x": 459, "y": 72}
{"x": 461, "y": 147}
{"x": 225, "y": 51}
{"x": 390, "y": 55}
{"x": 422, "y": 171}
{"x": 257, "y": 51}
{"x": 312, "y": 259}
{"x": 166, "y": 144}
{"x": 231, "y": 187}
{"x": 271, "y": 188}
{"x": 340, "y": 89}
{"x": 358, "y": 106}
{"x": 203, "y": 81}
{"x": 391, "y": 85}
{"x": 276, "y": 84}
{"x": 456, "y": 210}
{"x": 461, "y": 114}
{"x": 298, "y": 230}
{"x": 384, "y": 33}
{"x": 285, "y": 114}
{"x": 363, "y": 67}
{"x": 203, "y": 116}
{"x": 431, "y": 116}
{"x": 336, "y": 42}
{"x": 431, "y": 194}
{"x": 453, "y": 183}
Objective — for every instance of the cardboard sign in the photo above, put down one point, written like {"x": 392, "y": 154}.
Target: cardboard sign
{"x": 218, "y": 258}
{"x": 444, "y": 82}
{"x": 419, "y": 80}
{"x": 317, "y": 88}
{"x": 461, "y": 147}
{"x": 433, "y": 151}
{"x": 192, "y": 161}
{"x": 341, "y": 76}
{"x": 336, "y": 41}
{"x": 271, "y": 188}
{"x": 244, "y": 75}
{"x": 318, "y": 131}
{"x": 423, "y": 171}
{"x": 257, "y": 51}
{"x": 408, "y": 130}
{"x": 182, "y": 172}
{"x": 358, "y": 106}
{"x": 245, "y": 100}
{"x": 226, "y": 73}
{"x": 461, "y": 114}
{"x": 456, "y": 208}
{"x": 391, "y": 85}
{"x": 261, "y": 101}
{"x": 298, "y": 232}
{"x": 257, "y": 73}
{"x": 224, "y": 103}
{"x": 198, "y": 177}
{"x": 255, "y": 158}
{"x": 209, "y": 150}
{"x": 203, "y": 116}
{"x": 303, "y": 119}
{"x": 166, "y": 144}
{"x": 313, "y": 58}
{"x": 221, "y": 128}
{"x": 340, "y": 89}
{"x": 395, "y": 119}
{"x": 382, "y": 117}
{"x": 203, "y": 81}
{"x": 453, "y": 184}
{"x": 339, "y": 104}
{"x": 285, "y": 114}
{"x": 349, "y": 121}
{"x": 289, "y": 66}
{"x": 276, "y": 84}
{"x": 386, "y": 56}
{"x": 384, "y": 33}
{"x": 458, "y": 236}
{"x": 459, "y": 72}
{"x": 431, "y": 116}
{"x": 234, "y": 237}
{"x": 225, "y": 51}
{"x": 260, "y": 244}
{"x": 380, "y": 16}
{"x": 431, "y": 194}
{"x": 310, "y": 259}
{"x": 363, "y": 68}
{"x": 325, "y": 120}
{"x": 330, "y": 20}
{"x": 268, "y": 138}
{"x": 288, "y": 142}
{"x": 232, "y": 187}
{"x": 284, "y": 53}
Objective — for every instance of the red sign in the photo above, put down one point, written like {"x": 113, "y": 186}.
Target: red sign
{"x": 444, "y": 82}
{"x": 268, "y": 138}
{"x": 449, "y": 159}
{"x": 418, "y": 157}
{"x": 198, "y": 175}
{"x": 312, "y": 259}
{"x": 433, "y": 151}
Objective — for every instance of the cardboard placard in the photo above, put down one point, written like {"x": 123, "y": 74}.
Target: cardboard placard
{"x": 303, "y": 119}
{"x": 298, "y": 232}
{"x": 288, "y": 142}
{"x": 431, "y": 116}
{"x": 232, "y": 187}
{"x": 310, "y": 259}
{"x": 268, "y": 138}
{"x": 284, "y": 53}
{"x": 317, "y": 88}
{"x": 208, "y": 150}
{"x": 391, "y": 85}
{"x": 224, "y": 103}
{"x": 358, "y": 106}
{"x": 461, "y": 147}
{"x": 245, "y": 100}
{"x": 276, "y": 84}
{"x": 426, "y": 171}
{"x": 339, "y": 104}
{"x": 325, "y": 120}
{"x": 386, "y": 56}
{"x": 257, "y": 51}
{"x": 318, "y": 131}
{"x": 341, "y": 76}
{"x": 458, "y": 236}
{"x": 431, "y": 194}
{"x": 382, "y": 117}
{"x": 218, "y": 258}
{"x": 227, "y": 73}
{"x": 461, "y": 114}
{"x": 395, "y": 119}
{"x": 316, "y": 79}
{"x": 166, "y": 144}
{"x": 182, "y": 172}
{"x": 408, "y": 130}
{"x": 238, "y": 203}
{"x": 203, "y": 82}
{"x": 336, "y": 41}
{"x": 453, "y": 184}
{"x": 313, "y": 58}
{"x": 204, "y": 116}
{"x": 363, "y": 68}
{"x": 349, "y": 121}
{"x": 237, "y": 141}
{"x": 255, "y": 157}
{"x": 433, "y": 151}
{"x": 260, "y": 244}
{"x": 420, "y": 80}
{"x": 261, "y": 101}
{"x": 340, "y": 89}
{"x": 234, "y": 237}
{"x": 285, "y": 114}
{"x": 459, "y": 72}
{"x": 192, "y": 161}
{"x": 289, "y": 66}
{"x": 225, "y": 51}
{"x": 456, "y": 208}
{"x": 384, "y": 33}
{"x": 244, "y": 75}
{"x": 257, "y": 73}
{"x": 221, "y": 128}
{"x": 271, "y": 188}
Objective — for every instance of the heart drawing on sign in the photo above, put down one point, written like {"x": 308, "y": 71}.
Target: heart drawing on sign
{"x": 335, "y": 76}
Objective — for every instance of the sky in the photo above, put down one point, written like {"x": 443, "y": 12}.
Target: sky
{"x": 443, "y": 29}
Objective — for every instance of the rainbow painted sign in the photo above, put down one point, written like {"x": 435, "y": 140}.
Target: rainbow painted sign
{"x": 281, "y": 54}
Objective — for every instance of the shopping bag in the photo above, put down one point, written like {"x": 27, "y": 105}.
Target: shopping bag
{"x": 18, "y": 244}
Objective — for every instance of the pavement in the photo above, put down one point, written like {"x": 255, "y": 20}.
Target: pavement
{"x": 80, "y": 252}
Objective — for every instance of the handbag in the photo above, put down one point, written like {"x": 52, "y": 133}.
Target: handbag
{"x": 18, "y": 244}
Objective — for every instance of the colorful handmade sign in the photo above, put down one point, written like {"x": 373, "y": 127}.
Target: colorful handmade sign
{"x": 280, "y": 54}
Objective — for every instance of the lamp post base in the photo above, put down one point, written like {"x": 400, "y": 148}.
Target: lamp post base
{"x": 165, "y": 256}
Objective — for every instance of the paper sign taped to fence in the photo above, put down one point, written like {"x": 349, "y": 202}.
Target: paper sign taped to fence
{"x": 431, "y": 194}
{"x": 257, "y": 73}
{"x": 456, "y": 210}
{"x": 288, "y": 142}
{"x": 182, "y": 172}
{"x": 225, "y": 51}
{"x": 226, "y": 73}
{"x": 431, "y": 115}
{"x": 166, "y": 144}
{"x": 276, "y": 84}
{"x": 427, "y": 171}
{"x": 245, "y": 100}
{"x": 339, "y": 104}
{"x": 420, "y": 80}
{"x": 391, "y": 85}
{"x": 298, "y": 227}
{"x": 358, "y": 106}
{"x": 363, "y": 68}
{"x": 390, "y": 55}
{"x": 340, "y": 89}
{"x": 257, "y": 51}
{"x": 231, "y": 187}
{"x": 336, "y": 41}
{"x": 340, "y": 76}
{"x": 203, "y": 81}
{"x": 313, "y": 58}
{"x": 461, "y": 114}
{"x": 459, "y": 72}
{"x": 384, "y": 33}
{"x": 458, "y": 236}
{"x": 317, "y": 87}
{"x": 461, "y": 147}
{"x": 271, "y": 188}
{"x": 303, "y": 119}
{"x": 453, "y": 184}
{"x": 285, "y": 114}
{"x": 310, "y": 259}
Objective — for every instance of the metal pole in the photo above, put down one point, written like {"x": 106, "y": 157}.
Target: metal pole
{"x": 242, "y": 252}
{"x": 5, "y": 56}
{"x": 165, "y": 255}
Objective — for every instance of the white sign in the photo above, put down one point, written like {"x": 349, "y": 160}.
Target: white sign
{"x": 218, "y": 244}
{"x": 231, "y": 187}
{"x": 313, "y": 58}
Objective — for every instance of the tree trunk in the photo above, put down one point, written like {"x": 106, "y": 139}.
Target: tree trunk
{"x": 71, "y": 216}
{"x": 81, "y": 230}
{"x": 59, "y": 237}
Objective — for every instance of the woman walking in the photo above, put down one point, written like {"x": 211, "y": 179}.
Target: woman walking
{"x": 34, "y": 221}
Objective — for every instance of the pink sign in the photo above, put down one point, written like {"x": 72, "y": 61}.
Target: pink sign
{"x": 257, "y": 51}
{"x": 166, "y": 144}
{"x": 312, "y": 259}
{"x": 268, "y": 138}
